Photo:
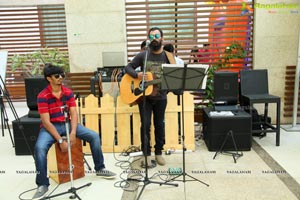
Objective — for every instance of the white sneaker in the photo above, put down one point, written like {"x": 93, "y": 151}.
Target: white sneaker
{"x": 104, "y": 173}
{"x": 160, "y": 160}
{"x": 40, "y": 192}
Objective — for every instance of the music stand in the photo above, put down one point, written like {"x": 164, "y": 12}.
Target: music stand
{"x": 184, "y": 78}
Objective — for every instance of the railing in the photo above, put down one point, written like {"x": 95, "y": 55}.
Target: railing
{"x": 119, "y": 124}
{"x": 289, "y": 92}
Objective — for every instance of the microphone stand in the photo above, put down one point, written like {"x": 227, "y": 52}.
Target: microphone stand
{"x": 146, "y": 179}
{"x": 72, "y": 190}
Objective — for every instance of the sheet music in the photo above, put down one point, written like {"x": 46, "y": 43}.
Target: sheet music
{"x": 173, "y": 65}
{"x": 221, "y": 113}
{"x": 204, "y": 66}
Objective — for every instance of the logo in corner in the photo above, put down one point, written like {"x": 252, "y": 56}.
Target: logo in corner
{"x": 245, "y": 9}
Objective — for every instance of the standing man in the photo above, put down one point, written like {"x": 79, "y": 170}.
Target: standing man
{"x": 51, "y": 101}
{"x": 157, "y": 102}
{"x": 170, "y": 48}
{"x": 143, "y": 45}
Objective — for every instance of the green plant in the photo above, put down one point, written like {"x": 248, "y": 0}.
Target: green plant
{"x": 234, "y": 51}
{"x": 32, "y": 64}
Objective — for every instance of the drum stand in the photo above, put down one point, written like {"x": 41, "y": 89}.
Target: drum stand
{"x": 73, "y": 189}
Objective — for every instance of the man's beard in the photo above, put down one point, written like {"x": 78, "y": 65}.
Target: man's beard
{"x": 155, "y": 45}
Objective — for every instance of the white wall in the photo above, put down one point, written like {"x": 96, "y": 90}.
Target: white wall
{"x": 276, "y": 34}
{"x": 94, "y": 26}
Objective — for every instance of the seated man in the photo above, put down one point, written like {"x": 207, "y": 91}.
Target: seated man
{"x": 203, "y": 54}
{"x": 51, "y": 102}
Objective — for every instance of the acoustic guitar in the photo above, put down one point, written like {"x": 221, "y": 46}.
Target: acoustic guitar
{"x": 131, "y": 88}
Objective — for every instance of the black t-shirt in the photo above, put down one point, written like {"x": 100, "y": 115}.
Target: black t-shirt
{"x": 153, "y": 64}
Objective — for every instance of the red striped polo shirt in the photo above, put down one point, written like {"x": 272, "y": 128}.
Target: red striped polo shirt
{"x": 48, "y": 103}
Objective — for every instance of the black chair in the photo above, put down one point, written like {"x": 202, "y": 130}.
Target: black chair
{"x": 254, "y": 90}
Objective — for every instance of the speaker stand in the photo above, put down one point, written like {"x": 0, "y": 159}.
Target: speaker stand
{"x": 236, "y": 154}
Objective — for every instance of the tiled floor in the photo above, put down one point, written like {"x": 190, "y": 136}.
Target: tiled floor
{"x": 265, "y": 172}
{"x": 255, "y": 175}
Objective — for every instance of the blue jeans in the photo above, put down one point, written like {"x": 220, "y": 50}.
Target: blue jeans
{"x": 158, "y": 107}
{"x": 45, "y": 141}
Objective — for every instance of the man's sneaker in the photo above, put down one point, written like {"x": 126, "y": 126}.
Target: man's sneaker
{"x": 106, "y": 174}
{"x": 160, "y": 160}
{"x": 40, "y": 192}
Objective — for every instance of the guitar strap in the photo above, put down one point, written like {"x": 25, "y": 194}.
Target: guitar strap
{"x": 170, "y": 57}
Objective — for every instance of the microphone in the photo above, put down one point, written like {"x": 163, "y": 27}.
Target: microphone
{"x": 147, "y": 43}
{"x": 64, "y": 107}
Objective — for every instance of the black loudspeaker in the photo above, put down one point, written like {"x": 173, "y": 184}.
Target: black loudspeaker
{"x": 226, "y": 87}
{"x": 31, "y": 128}
{"x": 33, "y": 86}
{"x": 215, "y": 129}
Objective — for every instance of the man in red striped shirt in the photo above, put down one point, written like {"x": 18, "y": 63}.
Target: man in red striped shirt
{"x": 51, "y": 104}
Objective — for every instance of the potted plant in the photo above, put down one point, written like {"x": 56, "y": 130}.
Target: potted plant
{"x": 31, "y": 65}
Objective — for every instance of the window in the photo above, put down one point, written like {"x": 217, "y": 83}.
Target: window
{"x": 27, "y": 29}
{"x": 192, "y": 24}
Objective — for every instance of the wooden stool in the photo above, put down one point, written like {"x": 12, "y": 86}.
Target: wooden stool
{"x": 58, "y": 163}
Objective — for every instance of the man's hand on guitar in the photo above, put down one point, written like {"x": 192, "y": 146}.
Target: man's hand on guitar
{"x": 141, "y": 74}
{"x": 130, "y": 87}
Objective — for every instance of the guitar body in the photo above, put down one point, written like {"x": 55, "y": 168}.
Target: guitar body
{"x": 129, "y": 88}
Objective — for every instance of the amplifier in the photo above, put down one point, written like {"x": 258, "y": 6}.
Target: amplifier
{"x": 215, "y": 129}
